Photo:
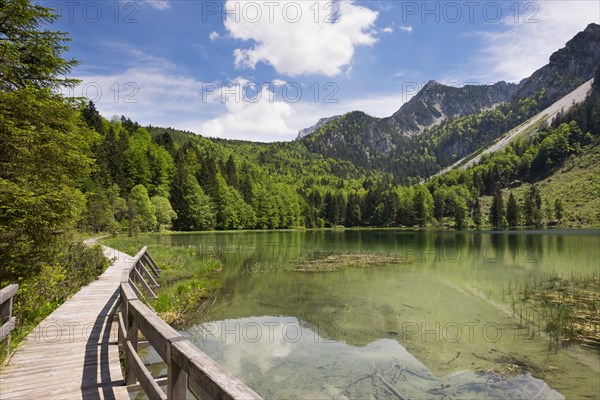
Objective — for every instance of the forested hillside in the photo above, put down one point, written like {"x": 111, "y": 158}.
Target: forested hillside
{"x": 196, "y": 183}
{"x": 452, "y": 123}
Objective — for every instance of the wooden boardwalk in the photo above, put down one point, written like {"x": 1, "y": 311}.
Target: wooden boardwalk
{"x": 73, "y": 353}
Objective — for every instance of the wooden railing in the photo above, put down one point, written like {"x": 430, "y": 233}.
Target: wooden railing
{"x": 7, "y": 321}
{"x": 188, "y": 368}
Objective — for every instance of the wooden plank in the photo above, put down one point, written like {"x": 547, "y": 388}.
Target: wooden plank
{"x": 135, "y": 289}
{"x": 127, "y": 291}
{"x": 177, "y": 382}
{"x": 149, "y": 257}
{"x": 148, "y": 274}
{"x": 6, "y": 328}
{"x": 122, "y": 330}
{"x": 8, "y": 292}
{"x": 145, "y": 284}
{"x": 151, "y": 388}
{"x": 161, "y": 381}
{"x": 154, "y": 268}
{"x": 205, "y": 373}
{"x": 154, "y": 329}
{"x": 75, "y": 365}
{"x": 72, "y": 353}
{"x": 130, "y": 343}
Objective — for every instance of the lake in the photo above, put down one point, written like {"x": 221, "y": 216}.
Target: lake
{"x": 393, "y": 313}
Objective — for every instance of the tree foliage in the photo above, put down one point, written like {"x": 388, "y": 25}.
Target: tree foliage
{"x": 30, "y": 55}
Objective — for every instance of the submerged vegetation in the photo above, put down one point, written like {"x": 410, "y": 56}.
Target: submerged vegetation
{"x": 320, "y": 261}
{"x": 336, "y": 261}
{"x": 565, "y": 308}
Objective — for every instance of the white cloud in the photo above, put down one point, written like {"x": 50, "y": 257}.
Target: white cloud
{"x": 159, "y": 4}
{"x": 255, "y": 116}
{"x": 213, "y": 36}
{"x": 151, "y": 90}
{"x": 520, "y": 48}
{"x": 388, "y": 29}
{"x": 144, "y": 93}
{"x": 296, "y": 39}
{"x": 155, "y": 91}
{"x": 408, "y": 29}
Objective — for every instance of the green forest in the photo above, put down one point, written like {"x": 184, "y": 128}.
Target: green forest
{"x": 66, "y": 170}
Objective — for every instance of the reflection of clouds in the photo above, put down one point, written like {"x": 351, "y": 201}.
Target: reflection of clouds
{"x": 281, "y": 358}
{"x": 257, "y": 342}
{"x": 266, "y": 345}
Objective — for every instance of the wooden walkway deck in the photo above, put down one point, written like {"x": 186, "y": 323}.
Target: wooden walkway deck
{"x": 73, "y": 353}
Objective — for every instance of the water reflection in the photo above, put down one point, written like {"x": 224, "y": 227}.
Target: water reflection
{"x": 450, "y": 279}
{"x": 281, "y": 357}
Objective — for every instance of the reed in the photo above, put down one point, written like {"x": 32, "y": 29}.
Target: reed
{"x": 566, "y": 308}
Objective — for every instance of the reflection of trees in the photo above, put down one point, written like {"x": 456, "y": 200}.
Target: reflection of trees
{"x": 560, "y": 244}
{"x": 495, "y": 252}
{"x": 533, "y": 247}
{"x": 513, "y": 246}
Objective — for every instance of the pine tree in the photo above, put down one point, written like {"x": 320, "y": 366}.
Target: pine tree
{"x": 512, "y": 211}
{"x": 460, "y": 215}
{"x": 30, "y": 54}
{"x": 231, "y": 172}
{"x": 246, "y": 189}
{"x": 353, "y": 211}
{"x": 207, "y": 176}
{"x": 92, "y": 117}
{"x": 191, "y": 205}
{"x": 331, "y": 211}
{"x": 476, "y": 213}
{"x": 533, "y": 207}
{"x": 438, "y": 204}
{"x": 558, "y": 210}
{"x": 423, "y": 204}
{"x": 111, "y": 158}
{"x": 497, "y": 210}
{"x": 45, "y": 146}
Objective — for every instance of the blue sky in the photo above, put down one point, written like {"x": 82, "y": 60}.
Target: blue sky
{"x": 262, "y": 70}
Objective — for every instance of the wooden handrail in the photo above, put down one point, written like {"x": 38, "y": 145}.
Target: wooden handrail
{"x": 188, "y": 368}
{"x": 7, "y": 321}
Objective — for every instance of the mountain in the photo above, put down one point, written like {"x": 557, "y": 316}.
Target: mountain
{"x": 307, "y": 131}
{"x": 363, "y": 138}
{"x": 435, "y": 103}
{"x": 567, "y": 69}
{"x": 442, "y": 124}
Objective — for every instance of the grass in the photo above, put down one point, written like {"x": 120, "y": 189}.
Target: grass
{"x": 576, "y": 183}
{"x": 188, "y": 280}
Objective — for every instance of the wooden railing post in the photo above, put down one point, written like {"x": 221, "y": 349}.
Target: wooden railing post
{"x": 177, "y": 379}
{"x": 7, "y": 321}
{"x": 188, "y": 369}
{"x": 131, "y": 337}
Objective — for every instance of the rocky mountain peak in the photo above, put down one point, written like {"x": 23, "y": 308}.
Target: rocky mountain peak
{"x": 568, "y": 68}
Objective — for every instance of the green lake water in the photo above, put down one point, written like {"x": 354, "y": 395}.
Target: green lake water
{"x": 438, "y": 323}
